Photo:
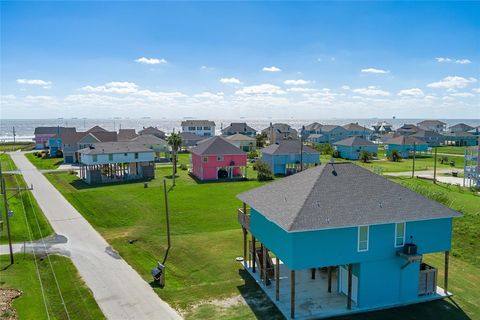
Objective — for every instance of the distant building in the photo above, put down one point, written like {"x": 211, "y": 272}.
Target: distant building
{"x": 239, "y": 128}
{"x": 351, "y": 148}
{"x": 215, "y": 159}
{"x": 190, "y": 140}
{"x": 152, "y": 130}
{"x": 312, "y": 128}
{"x": 356, "y": 130}
{"x": 408, "y": 129}
{"x": 461, "y": 138}
{"x": 154, "y": 143}
{"x": 74, "y": 141}
{"x": 42, "y": 134}
{"x": 126, "y": 134}
{"x": 285, "y": 156}
{"x": 115, "y": 162}
{"x": 433, "y": 125}
{"x": 406, "y": 145}
{"x": 328, "y": 134}
{"x": 279, "y": 131}
{"x": 460, "y": 127}
{"x": 382, "y": 128}
{"x": 432, "y": 138}
{"x": 201, "y": 128}
{"x": 243, "y": 142}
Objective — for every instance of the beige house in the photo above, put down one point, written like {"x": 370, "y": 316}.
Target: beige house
{"x": 242, "y": 142}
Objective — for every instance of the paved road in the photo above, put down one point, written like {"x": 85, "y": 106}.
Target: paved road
{"x": 429, "y": 174}
{"x": 118, "y": 289}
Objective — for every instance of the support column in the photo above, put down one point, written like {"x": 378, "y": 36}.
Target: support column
{"x": 445, "y": 285}
{"x": 253, "y": 253}
{"x": 329, "y": 279}
{"x": 277, "y": 278}
{"x": 313, "y": 273}
{"x": 349, "y": 296}
{"x": 244, "y": 247}
{"x": 264, "y": 264}
{"x": 292, "y": 294}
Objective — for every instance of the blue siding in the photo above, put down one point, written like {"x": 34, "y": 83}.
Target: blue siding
{"x": 278, "y": 163}
{"x": 353, "y": 153}
{"x": 405, "y": 149}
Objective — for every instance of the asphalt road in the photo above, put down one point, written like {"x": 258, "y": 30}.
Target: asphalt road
{"x": 118, "y": 289}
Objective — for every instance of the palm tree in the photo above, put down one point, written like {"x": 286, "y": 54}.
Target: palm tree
{"x": 395, "y": 156}
{"x": 365, "y": 156}
{"x": 174, "y": 141}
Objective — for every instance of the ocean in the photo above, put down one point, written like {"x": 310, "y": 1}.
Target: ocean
{"x": 24, "y": 128}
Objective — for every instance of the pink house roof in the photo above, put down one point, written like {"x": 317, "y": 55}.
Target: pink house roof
{"x": 216, "y": 146}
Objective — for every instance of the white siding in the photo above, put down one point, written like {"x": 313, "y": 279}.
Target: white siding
{"x": 118, "y": 158}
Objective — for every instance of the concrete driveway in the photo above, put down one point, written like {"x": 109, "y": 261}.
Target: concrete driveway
{"x": 118, "y": 289}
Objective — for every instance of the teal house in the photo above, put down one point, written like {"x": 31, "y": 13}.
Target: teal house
{"x": 405, "y": 145}
{"x": 345, "y": 241}
{"x": 288, "y": 156}
{"x": 351, "y": 148}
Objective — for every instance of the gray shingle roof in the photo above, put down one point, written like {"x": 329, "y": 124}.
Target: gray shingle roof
{"x": 336, "y": 195}
{"x": 152, "y": 130}
{"x": 461, "y": 126}
{"x": 115, "y": 147}
{"x": 330, "y": 127}
{"x": 313, "y": 126}
{"x": 216, "y": 146}
{"x": 354, "y": 141}
{"x": 96, "y": 129}
{"x": 402, "y": 140}
{"x": 431, "y": 123}
{"x": 238, "y": 127}
{"x": 239, "y": 137}
{"x": 126, "y": 134}
{"x": 356, "y": 127}
{"x": 149, "y": 139}
{"x": 287, "y": 147}
{"x": 53, "y": 130}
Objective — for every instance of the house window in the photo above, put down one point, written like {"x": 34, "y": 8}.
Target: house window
{"x": 110, "y": 157}
{"x": 363, "y": 238}
{"x": 206, "y": 128}
{"x": 136, "y": 155}
{"x": 125, "y": 154}
{"x": 205, "y": 159}
{"x": 191, "y": 128}
{"x": 219, "y": 158}
{"x": 399, "y": 234}
{"x": 199, "y": 128}
{"x": 94, "y": 158}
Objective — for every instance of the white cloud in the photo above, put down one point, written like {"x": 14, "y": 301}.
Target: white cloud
{"x": 448, "y": 60}
{"x": 113, "y": 87}
{"x": 298, "y": 82}
{"x": 371, "y": 91}
{"x": 271, "y": 69}
{"x": 35, "y": 82}
{"x": 345, "y": 87}
{"x": 452, "y": 82}
{"x": 375, "y": 71}
{"x": 413, "y": 93}
{"x": 230, "y": 81}
{"x": 463, "y": 61}
{"x": 476, "y": 90}
{"x": 440, "y": 59}
{"x": 301, "y": 89}
{"x": 210, "y": 96}
{"x": 261, "y": 89}
{"x": 144, "y": 60}
{"x": 462, "y": 94}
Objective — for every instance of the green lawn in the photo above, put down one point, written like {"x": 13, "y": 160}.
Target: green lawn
{"x": 10, "y": 146}
{"x": 7, "y": 163}
{"x": 22, "y": 275}
{"x": 206, "y": 238}
{"x": 25, "y": 210}
{"x": 44, "y": 164}
{"x": 451, "y": 150}
{"x": 423, "y": 162}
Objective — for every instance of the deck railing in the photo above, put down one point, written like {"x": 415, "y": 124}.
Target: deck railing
{"x": 428, "y": 280}
{"x": 244, "y": 218}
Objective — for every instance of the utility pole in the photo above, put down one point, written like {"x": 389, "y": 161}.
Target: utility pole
{"x": 14, "y": 134}
{"x": 167, "y": 220}
{"x": 435, "y": 167}
{"x": 301, "y": 148}
{"x": 413, "y": 165}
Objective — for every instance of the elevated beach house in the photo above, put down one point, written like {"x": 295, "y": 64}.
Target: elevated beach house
{"x": 202, "y": 128}
{"x": 289, "y": 156}
{"x": 215, "y": 158}
{"x": 116, "y": 161}
{"x": 432, "y": 138}
{"x": 433, "y": 125}
{"x": 43, "y": 134}
{"x": 152, "y": 131}
{"x": 279, "y": 131}
{"x": 190, "y": 140}
{"x": 460, "y": 127}
{"x": 345, "y": 240}
{"x": 461, "y": 139}
{"x": 405, "y": 145}
{"x": 356, "y": 130}
{"x": 351, "y": 148}
{"x": 154, "y": 143}
{"x": 243, "y": 142}
{"x": 328, "y": 134}
{"x": 239, "y": 128}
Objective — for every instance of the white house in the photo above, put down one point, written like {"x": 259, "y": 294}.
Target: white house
{"x": 202, "y": 128}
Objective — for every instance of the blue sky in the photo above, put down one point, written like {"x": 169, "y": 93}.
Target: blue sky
{"x": 230, "y": 59}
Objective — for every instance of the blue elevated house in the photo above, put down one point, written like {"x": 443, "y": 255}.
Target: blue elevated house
{"x": 406, "y": 145}
{"x": 351, "y": 148}
{"x": 345, "y": 240}
{"x": 286, "y": 156}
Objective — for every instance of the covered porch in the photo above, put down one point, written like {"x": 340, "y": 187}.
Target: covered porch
{"x": 232, "y": 172}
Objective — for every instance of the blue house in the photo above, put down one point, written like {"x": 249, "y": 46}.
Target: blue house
{"x": 356, "y": 130}
{"x": 461, "y": 139}
{"x": 345, "y": 240}
{"x": 351, "y": 148}
{"x": 405, "y": 145}
{"x": 287, "y": 156}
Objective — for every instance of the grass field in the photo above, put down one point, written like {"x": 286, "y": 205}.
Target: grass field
{"x": 7, "y": 163}
{"x": 44, "y": 164}
{"x": 451, "y": 150}
{"x": 26, "y": 213}
{"x": 201, "y": 268}
{"x": 22, "y": 275}
{"x": 10, "y": 146}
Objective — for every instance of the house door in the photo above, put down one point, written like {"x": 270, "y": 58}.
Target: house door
{"x": 343, "y": 285}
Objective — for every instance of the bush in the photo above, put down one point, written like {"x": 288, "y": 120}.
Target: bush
{"x": 336, "y": 154}
{"x": 183, "y": 166}
{"x": 324, "y": 148}
{"x": 264, "y": 173}
{"x": 365, "y": 156}
{"x": 252, "y": 154}
{"x": 443, "y": 160}
{"x": 395, "y": 156}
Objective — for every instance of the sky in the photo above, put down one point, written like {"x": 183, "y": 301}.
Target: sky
{"x": 240, "y": 59}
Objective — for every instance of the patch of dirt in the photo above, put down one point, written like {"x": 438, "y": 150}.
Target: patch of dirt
{"x": 7, "y": 312}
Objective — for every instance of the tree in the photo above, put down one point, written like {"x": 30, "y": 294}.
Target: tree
{"x": 261, "y": 140}
{"x": 252, "y": 154}
{"x": 264, "y": 173}
{"x": 365, "y": 156}
{"x": 395, "y": 156}
{"x": 174, "y": 141}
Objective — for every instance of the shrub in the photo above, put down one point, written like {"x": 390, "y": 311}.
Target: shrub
{"x": 443, "y": 160}
{"x": 252, "y": 154}
{"x": 324, "y": 148}
{"x": 365, "y": 156}
{"x": 395, "y": 156}
{"x": 183, "y": 166}
{"x": 264, "y": 173}
{"x": 336, "y": 154}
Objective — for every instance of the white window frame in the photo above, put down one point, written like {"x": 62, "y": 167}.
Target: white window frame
{"x": 358, "y": 238}
{"x": 396, "y": 235}
{"x": 205, "y": 159}
{"x": 220, "y": 158}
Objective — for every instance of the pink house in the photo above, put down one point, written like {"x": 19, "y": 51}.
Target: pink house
{"x": 43, "y": 134}
{"x": 216, "y": 158}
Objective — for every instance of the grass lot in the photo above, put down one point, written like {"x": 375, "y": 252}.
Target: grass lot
{"x": 44, "y": 164}
{"x": 7, "y": 163}
{"x": 201, "y": 271}
{"x": 10, "y": 146}
{"x": 451, "y": 150}
{"x": 25, "y": 210}
{"x": 79, "y": 301}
